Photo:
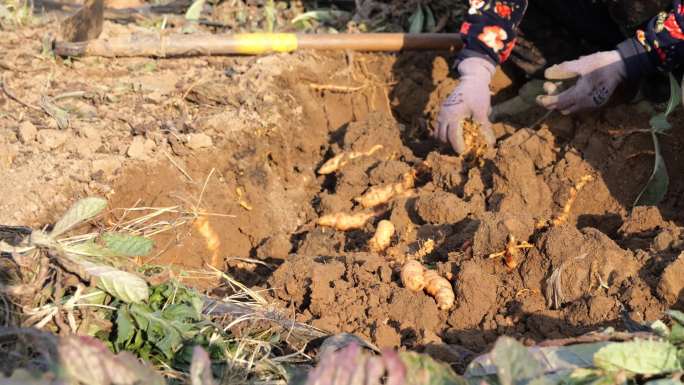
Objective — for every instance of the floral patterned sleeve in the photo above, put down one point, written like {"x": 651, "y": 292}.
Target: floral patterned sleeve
{"x": 489, "y": 29}
{"x": 659, "y": 47}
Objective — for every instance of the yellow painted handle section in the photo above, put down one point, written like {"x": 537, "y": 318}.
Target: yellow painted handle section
{"x": 259, "y": 43}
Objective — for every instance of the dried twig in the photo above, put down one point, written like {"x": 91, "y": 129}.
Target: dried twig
{"x": 337, "y": 88}
{"x": 574, "y": 191}
{"x": 185, "y": 173}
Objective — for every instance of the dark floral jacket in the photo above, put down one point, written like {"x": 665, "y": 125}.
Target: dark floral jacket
{"x": 489, "y": 31}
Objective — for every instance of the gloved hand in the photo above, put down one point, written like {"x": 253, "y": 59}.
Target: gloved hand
{"x": 599, "y": 73}
{"x": 470, "y": 99}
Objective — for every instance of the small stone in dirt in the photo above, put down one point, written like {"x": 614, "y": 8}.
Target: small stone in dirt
{"x": 51, "y": 139}
{"x": 199, "y": 141}
{"x": 671, "y": 285}
{"x": 441, "y": 208}
{"x": 27, "y": 132}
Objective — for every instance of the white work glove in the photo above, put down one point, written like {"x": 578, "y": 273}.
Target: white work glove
{"x": 470, "y": 99}
{"x": 599, "y": 75}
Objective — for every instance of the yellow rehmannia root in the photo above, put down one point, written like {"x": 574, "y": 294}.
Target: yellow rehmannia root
{"x": 475, "y": 146}
{"x": 213, "y": 241}
{"x": 383, "y": 237}
{"x": 338, "y": 161}
{"x": 512, "y": 253}
{"x": 377, "y": 196}
{"x": 344, "y": 221}
{"x": 416, "y": 278}
{"x": 412, "y": 275}
{"x": 426, "y": 248}
{"x": 563, "y": 217}
{"x": 440, "y": 288}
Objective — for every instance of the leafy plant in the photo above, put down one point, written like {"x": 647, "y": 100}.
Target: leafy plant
{"x": 195, "y": 10}
{"x": 167, "y": 327}
{"x": 422, "y": 20}
{"x": 91, "y": 257}
{"x": 270, "y": 14}
{"x": 305, "y": 21}
{"x": 655, "y": 189}
{"x": 16, "y": 12}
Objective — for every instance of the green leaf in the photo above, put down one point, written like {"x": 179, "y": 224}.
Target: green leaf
{"x": 80, "y": 212}
{"x": 676, "y": 315}
{"x": 659, "y": 123}
{"x": 87, "y": 360}
{"x": 430, "y": 23}
{"x": 514, "y": 364}
{"x": 660, "y": 328}
{"x": 60, "y": 115}
{"x": 194, "y": 12}
{"x": 558, "y": 361}
{"x": 167, "y": 335}
{"x": 90, "y": 249}
{"x": 675, "y": 95}
{"x": 125, "y": 329}
{"x": 677, "y": 334}
{"x": 123, "y": 285}
{"x": 422, "y": 369}
{"x": 181, "y": 312}
{"x": 322, "y": 16}
{"x": 657, "y": 185}
{"x": 127, "y": 245}
{"x": 417, "y": 20}
{"x": 646, "y": 357}
{"x": 270, "y": 15}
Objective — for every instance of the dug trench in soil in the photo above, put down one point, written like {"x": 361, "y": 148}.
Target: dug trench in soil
{"x": 611, "y": 263}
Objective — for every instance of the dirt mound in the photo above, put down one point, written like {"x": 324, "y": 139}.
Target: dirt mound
{"x": 591, "y": 263}
{"x": 241, "y": 169}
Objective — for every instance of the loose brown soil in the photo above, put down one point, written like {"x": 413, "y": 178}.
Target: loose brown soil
{"x": 242, "y": 138}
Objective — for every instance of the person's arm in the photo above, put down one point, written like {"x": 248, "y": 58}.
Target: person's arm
{"x": 489, "y": 29}
{"x": 660, "y": 47}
